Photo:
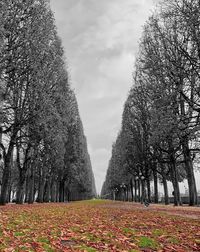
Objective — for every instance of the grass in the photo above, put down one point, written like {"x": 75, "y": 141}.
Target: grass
{"x": 174, "y": 240}
{"x": 146, "y": 242}
{"x": 88, "y": 249}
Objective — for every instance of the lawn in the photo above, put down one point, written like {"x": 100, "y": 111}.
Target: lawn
{"x": 99, "y": 225}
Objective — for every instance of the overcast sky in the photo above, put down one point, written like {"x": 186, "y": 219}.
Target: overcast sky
{"x": 100, "y": 38}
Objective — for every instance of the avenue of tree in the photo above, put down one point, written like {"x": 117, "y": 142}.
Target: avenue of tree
{"x": 43, "y": 149}
{"x": 160, "y": 133}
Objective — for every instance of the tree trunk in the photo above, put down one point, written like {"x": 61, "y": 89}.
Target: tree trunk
{"x": 165, "y": 190}
{"x": 61, "y": 191}
{"x": 7, "y": 172}
{"x": 53, "y": 191}
{"x": 31, "y": 195}
{"x": 135, "y": 182}
{"x": 155, "y": 180}
{"x": 143, "y": 191}
{"x": 1, "y": 134}
{"x": 177, "y": 197}
{"x": 20, "y": 191}
{"x": 126, "y": 193}
{"x": 68, "y": 195}
{"x": 9, "y": 192}
{"x": 131, "y": 188}
{"x": 40, "y": 198}
{"x": 190, "y": 173}
{"x": 57, "y": 191}
{"x": 22, "y": 169}
{"x": 139, "y": 191}
{"x": 20, "y": 187}
{"x": 27, "y": 187}
{"x": 47, "y": 191}
{"x": 149, "y": 190}
{"x": 187, "y": 157}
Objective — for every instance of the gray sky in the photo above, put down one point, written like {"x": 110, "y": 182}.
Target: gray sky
{"x": 100, "y": 38}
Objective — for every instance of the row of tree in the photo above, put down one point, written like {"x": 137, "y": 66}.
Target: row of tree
{"x": 43, "y": 149}
{"x": 159, "y": 138}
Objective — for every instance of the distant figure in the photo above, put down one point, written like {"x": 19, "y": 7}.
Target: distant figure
{"x": 146, "y": 203}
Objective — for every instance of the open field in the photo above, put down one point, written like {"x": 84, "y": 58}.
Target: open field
{"x": 99, "y": 225}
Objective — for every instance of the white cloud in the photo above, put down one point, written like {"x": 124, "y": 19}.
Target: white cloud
{"x": 100, "y": 39}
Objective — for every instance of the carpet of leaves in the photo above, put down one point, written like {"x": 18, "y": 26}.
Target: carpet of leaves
{"x": 98, "y": 225}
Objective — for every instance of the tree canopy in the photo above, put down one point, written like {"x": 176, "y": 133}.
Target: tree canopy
{"x": 159, "y": 138}
{"x": 43, "y": 147}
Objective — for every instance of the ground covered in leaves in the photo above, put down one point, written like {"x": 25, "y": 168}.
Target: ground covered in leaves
{"x": 99, "y": 226}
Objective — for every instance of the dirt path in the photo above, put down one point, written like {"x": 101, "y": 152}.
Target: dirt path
{"x": 182, "y": 211}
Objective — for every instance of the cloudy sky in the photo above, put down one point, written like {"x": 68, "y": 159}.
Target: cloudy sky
{"x": 100, "y": 38}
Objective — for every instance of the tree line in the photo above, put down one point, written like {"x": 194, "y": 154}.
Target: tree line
{"x": 43, "y": 150}
{"x": 159, "y": 137}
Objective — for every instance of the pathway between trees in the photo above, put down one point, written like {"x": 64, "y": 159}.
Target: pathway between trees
{"x": 99, "y": 225}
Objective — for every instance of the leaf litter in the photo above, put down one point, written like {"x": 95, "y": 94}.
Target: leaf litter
{"x": 98, "y": 225}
